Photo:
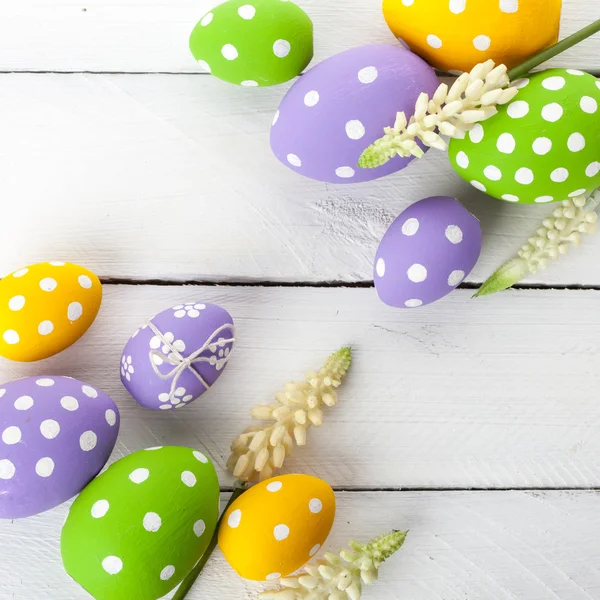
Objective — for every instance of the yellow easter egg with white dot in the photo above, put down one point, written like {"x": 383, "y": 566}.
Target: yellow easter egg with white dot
{"x": 277, "y": 526}
{"x": 458, "y": 34}
{"x": 46, "y": 307}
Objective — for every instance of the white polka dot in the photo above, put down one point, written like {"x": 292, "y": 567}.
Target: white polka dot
{"x": 188, "y": 478}
{"x": 112, "y": 565}
{"x": 509, "y": 6}
{"x": 368, "y": 75}
{"x": 410, "y": 226}
{"x": 554, "y": 83}
{"x": 355, "y": 130}
{"x": 593, "y": 169}
{"x": 199, "y": 456}
{"x": 482, "y": 43}
{"x": 417, "y": 273}
{"x": 89, "y": 391}
{"x": 234, "y": 519}
{"x": 20, "y": 272}
{"x": 510, "y": 198}
{"x": 457, "y": 6}
{"x": 154, "y": 448}
{"x": 199, "y": 528}
{"x": 315, "y": 506}
{"x": 202, "y": 64}
{"x": 111, "y": 417}
{"x": 552, "y": 112}
{"x": 478, "y": 185}
{"x": 344, "y": 172}
{"x": 48, "y": 284}
{"x": 462, "y": 160}
{"x": 49, "y": 429}
{"x": 408, "y": 2}
{"x": 152, "y": 522}
{"x": 493, "y": 173}
{"x": 434, "y": 41}
{"x": 281, "y": 48}
{"x": 559, "y": 175}
{"x": 281, "y": 532}
{"x": 247, "y": 12}
{"x": 311, "y": 98}
{"x": 542, "y": 145}
{"x": 454, "y": 234}
{"x": 85, "y": 282}
{"x": 274, "y": 576}
{"x": 57, "y": 263}
{"x": 11, "y": 337}
{"x": 74, "y": 311}
{"x": 16, "y": 303}
{"x": 11, "y": 435}
{"x": 413, "y": 303}
{"x": 579, "y": 192}
{"x": 543, "y": 199}
{"x": 100, "y": 508}
{"x": 2, "y": 392}
{"x": 166, "y": 407}
{"x": 44, "y": 467}
{"x": 229, "y": 52}
{"x": 518, "y": 109}
{"x": 24, "y": 403}
{"x": 88, "y": 441}
{"x": 520, "y": 83}
{"x": 476, "y": 133}
{"x": 167, "y": 573}
{"x": 524, "y": 176}
{"x": 506, "y": 143}
{"x": 294, "y": 160}
{"x": 274, "y": 486}
{"x": 575, "y": 72}
{"x": 314, "y": 549}
{"x": 45, "y": 327}
{"x": 275, "y": 118}
{"x": 139, "y": 475}
{"x": 7, "y": 469}
{"x": 455, "y": 277}
{"x": 576, "y": 142}
{"x": 207, "y": 19}
{"x": 248, "y": 83}
{"x": 598, "y": 84}
{"x": 69, "y": 403}
{"x": 45, "y": 382}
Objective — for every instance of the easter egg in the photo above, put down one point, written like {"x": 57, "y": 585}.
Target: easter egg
{"x": 177, "y": 355}
{"x": 542, "y": 147}
{"x": 46, "y": 307}
{"x": 426, "y": 252}
{"x": 254, "y": 42}
{"x": 139, "y": 528}
{"x": 342, "y": 105}
{"x": 277, "y": 526}
{"x": 56, "y": 435}
{"x": 458, "y": 34}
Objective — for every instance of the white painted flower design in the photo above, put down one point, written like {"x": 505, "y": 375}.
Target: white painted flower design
{"x": 191, "y": 310}
{"x": 180, "y": 398}
{"x": 127, "y": 369}
{"x": 157, "y": 343}
{"x": 220, "y": 357}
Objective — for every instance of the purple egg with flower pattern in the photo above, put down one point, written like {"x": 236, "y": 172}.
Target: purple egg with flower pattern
{"x": 56, "y": 435}
{"x": 426, "y": 252}
{"x": 341, "y": 106}
{"x": 177, "y": 355}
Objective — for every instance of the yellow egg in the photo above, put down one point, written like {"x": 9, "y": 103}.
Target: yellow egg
{"x": 46, "y": 307}
{"x": 276, "y": 526}
{"x": 458, "y": 34}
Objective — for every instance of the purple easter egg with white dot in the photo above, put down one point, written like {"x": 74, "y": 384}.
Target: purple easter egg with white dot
{"x": 426, "y": 252}
{"x": 56, "y": 435}
{"x": 177, "y": 355}
{"x": 341, "y": 106}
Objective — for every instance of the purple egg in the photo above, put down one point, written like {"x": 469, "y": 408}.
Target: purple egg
{"x": 341, "y": 106}
{"x": 56, "y": 435}
{"x": 426, "y": 252}
{"x": 177, "y": 355}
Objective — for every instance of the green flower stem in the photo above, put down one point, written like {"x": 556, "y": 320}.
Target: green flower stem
{"x": 186, "y": 585}
{"x": 553, "y": 51}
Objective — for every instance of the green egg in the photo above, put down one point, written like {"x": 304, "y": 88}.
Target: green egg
{"x": 543, "y": 146}
{"x": 138, "y": 529}
{"x": 254, "y": 42}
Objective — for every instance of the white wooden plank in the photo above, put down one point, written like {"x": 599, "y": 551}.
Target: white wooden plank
{"x": 144, "y": 36}
{"x": 501, "y": 392}
{"x": 172, "y": 177}
{"x": 496, "y": 545}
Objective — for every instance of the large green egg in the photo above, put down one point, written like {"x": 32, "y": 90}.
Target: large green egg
{"x": 254, "y": 42}
{"x": 543, "y": 146}
{"x": 138, "y": 529}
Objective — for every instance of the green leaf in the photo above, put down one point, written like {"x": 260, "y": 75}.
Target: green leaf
{"x": 507, "y": 275}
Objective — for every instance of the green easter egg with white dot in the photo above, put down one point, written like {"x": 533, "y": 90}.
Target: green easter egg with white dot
{"x": 254, "y": 42}
{"x": 140, "y": 527}
{"x": 543, "y": 146}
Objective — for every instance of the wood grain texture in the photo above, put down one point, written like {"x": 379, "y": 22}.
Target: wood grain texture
{"x": 172, "y": 177}
{"x": 474, "y": 545}
{"x": 498, "y": 393}
{"x": 142, "y": 36}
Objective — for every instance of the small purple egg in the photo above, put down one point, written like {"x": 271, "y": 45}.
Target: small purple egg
{"x": 426, "y": 252}
{"x": 341, "y": 106}
{"x": 56, "y": 435}
{"x": 174, "y": 358}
